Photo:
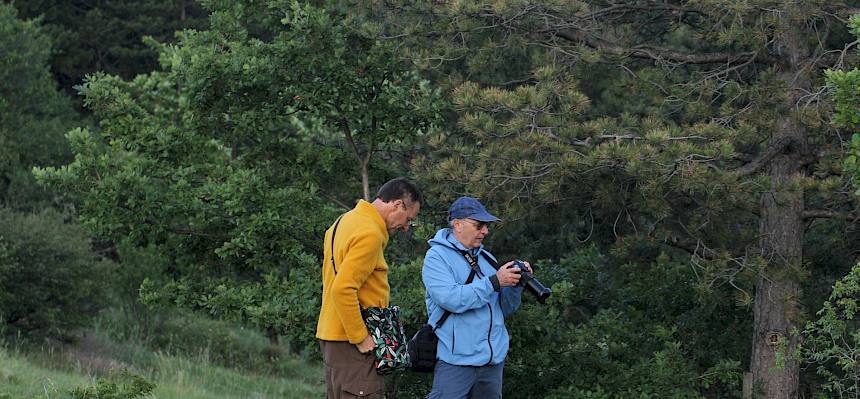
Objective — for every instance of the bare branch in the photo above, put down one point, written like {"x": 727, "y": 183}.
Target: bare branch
{"x": 841, "y": 10}
{"x": 344, "y": 126}
{"x": 188, "y": 232}
{"x": 778, "y": 147}
{"x": 336, "y": 201}
{"x": 695, "y": 249}
{"x": 655, "y": 53}
{"x": 828, "y": 214}
{"x": 195, "y": 233}
{"x": 625, "y": 8}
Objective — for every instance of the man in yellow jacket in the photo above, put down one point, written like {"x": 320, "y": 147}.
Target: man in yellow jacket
{"x": 355, "y": 276}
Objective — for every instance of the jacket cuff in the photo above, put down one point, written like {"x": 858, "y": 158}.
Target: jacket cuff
{"x": 495, "y": 280}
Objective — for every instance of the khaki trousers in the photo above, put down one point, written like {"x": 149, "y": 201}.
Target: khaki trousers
{"x": 349, "y": 373}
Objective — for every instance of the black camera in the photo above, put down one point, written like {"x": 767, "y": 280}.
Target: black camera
{"x": 528, "y": 280}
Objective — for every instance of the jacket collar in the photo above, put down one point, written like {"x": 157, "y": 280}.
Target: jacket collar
{"x": 457, "y": 245}
{"x": 365, "y": 208}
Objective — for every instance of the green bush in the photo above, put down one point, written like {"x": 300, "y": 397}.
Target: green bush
{"x": 48, "y": 274}
{"x": 117, "y": 385}
{"x": 184, "y": 333}
{"x": 611, "y": 329}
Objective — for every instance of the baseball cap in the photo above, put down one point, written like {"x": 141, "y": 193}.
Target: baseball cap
{"x": 470, "y": 208}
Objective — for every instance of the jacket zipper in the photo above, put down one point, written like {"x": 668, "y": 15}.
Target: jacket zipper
{"x": 490, "y": 332}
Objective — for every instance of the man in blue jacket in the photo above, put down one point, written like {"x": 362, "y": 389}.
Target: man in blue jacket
{"x": 473, "y": 341}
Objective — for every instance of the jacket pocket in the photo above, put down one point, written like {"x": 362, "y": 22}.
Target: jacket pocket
{"x": 363, "y": 389}
{"x": 468, "y": 335}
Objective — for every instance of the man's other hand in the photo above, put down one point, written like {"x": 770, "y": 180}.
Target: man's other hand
{"x": 367, "y": 345}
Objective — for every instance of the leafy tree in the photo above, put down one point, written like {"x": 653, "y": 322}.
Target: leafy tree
{"x": 231, "y": 161}
{"x": 694, "y": 128}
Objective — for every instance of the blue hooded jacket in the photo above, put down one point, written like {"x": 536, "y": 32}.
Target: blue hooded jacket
{"x": 475, "y": 333}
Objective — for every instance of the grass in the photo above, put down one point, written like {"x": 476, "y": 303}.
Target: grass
{"x": 175, "y": 377}
{"x": 214, "y": 369}
{"x": 184, "y": 378}
{"x": 22, "y": 378}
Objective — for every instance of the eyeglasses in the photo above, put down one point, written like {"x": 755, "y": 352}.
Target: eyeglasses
{"x": 409, "y": 221}
{"x": 478, "y": 224}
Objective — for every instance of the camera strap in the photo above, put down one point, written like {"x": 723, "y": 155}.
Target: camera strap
{"x": 490, "y": 260}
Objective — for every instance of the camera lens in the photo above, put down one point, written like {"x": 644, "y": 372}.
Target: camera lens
{"x": 528, "y": 280}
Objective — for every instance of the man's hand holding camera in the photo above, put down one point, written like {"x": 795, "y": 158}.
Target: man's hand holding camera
{"x": 510, "y": 273}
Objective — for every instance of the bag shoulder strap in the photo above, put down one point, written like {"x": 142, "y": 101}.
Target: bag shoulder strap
{"x": 448, "y": 313}
{"x": 333, "y": 232}
{"x": 473, "y": 264}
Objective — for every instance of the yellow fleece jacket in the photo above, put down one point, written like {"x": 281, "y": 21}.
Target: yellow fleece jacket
{"x": 361, "y": 278}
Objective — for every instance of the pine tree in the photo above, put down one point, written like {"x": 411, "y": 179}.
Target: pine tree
{"x": 696, "y": 126}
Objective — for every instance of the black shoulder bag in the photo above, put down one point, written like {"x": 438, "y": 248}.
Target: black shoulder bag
{"x": 386, "y": 330}
{"x": 422, "y": 346}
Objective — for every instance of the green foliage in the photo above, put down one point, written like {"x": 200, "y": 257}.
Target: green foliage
{"x": 93, "y": 36}
{"x": 33, "y": 114}
{"x": 846, "y": 89}
{"x": 833, "y": 339}
{"x": 845, "y": 86}
{"x": 851, "y": 164}
{"x": 50, "y": 281}
{"x": 117, "y": 385}
{"x": 637, "y": 331}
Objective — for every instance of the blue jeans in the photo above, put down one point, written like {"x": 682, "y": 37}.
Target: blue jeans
{"x": 462, "y": 382}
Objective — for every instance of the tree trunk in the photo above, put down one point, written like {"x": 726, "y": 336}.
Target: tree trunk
{"x": 777, "y": 290}
{"x": 365, "y": 181}
{"x": 775, "y": 371}
{"x": 272, "y": 334}
{"x": 363, "y": 162}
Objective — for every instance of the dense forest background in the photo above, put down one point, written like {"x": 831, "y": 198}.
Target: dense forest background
{"x": 683, "y": 174}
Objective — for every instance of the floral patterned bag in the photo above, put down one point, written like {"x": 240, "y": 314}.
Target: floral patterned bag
{"x": 385, "y": 328}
